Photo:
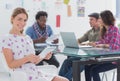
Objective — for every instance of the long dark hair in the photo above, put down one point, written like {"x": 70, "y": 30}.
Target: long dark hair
{"x": 108, "y": 19}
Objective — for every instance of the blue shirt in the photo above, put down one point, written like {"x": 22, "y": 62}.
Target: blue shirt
{"x": 32, "y": 33}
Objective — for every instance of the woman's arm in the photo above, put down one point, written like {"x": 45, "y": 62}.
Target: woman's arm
{"x": 12, "y": 63}
{"x": 102, "y": 45}
{"x": 115, "y": 36}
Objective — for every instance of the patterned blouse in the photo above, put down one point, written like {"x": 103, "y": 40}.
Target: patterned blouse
{"x": 112, "y": 37}
{"x": 22, "y": 46}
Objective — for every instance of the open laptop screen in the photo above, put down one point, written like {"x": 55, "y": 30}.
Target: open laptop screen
{"x": 69, "y": 39}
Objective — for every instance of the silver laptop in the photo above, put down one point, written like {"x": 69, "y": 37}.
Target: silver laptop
{"x": 69, "y": 40}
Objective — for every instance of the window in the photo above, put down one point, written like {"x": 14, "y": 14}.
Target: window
{"x": 118, "y": 9}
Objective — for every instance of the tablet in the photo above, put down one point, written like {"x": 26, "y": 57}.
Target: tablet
{"x": 46, "y": 51}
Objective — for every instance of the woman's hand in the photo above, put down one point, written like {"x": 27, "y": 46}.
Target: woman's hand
{"x": 102, "y": 45}
{"x": 34, "y": 59}
{"x": 48, "y": 56}
{"x": 92, "y": 44}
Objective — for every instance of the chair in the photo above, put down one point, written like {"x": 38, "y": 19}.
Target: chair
{"x": 105, "y": 76}
{"x": 7, "y": 74}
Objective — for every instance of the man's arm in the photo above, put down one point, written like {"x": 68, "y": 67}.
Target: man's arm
{"x": 39, "y": 40}
{"x": 83, "y": 38}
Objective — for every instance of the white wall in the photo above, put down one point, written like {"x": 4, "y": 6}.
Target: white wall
{"x": 79, "y": 25}
{"x": 6, "y": 8}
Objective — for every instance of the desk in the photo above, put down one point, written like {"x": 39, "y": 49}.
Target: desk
{"x": 91, "y": 56}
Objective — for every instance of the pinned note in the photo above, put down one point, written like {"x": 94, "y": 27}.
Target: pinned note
{"x": 81, "y": 11}
{"x": 58, "y": 21}
{"x": 66, "y": 2}
{"x": 43, "y": 5}
{"x": 69, "y": 12}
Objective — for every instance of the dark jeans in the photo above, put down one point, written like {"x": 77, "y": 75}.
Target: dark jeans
{"x": 66, "y": 68}
{"x": 51, "y": 61}
{"x": 95, "y": 69}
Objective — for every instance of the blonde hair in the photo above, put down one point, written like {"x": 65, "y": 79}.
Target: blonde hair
{"x": 17, "y": 11}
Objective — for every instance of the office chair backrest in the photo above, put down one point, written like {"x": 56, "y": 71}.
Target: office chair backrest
{"x": 7, "y": 74}
{"x": 3, "y": 65}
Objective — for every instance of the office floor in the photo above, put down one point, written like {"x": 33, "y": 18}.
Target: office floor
{"x": 108, "y": 74}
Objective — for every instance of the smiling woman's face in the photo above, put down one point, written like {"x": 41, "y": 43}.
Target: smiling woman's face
{"x": 19, "y": 21}
{"x": 100, "y": 22}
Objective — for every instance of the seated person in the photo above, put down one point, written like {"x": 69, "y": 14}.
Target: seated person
{"x": 39, "y": 32}
{"x": 110, "y": 39}
{"x": 19, "y": 51}
{"x": 91, "y": 35}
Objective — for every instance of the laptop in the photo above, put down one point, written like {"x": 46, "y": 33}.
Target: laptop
{"x": 69, "y": 40}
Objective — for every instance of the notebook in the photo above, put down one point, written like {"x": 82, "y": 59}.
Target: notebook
{"x": 69, "y": 40}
